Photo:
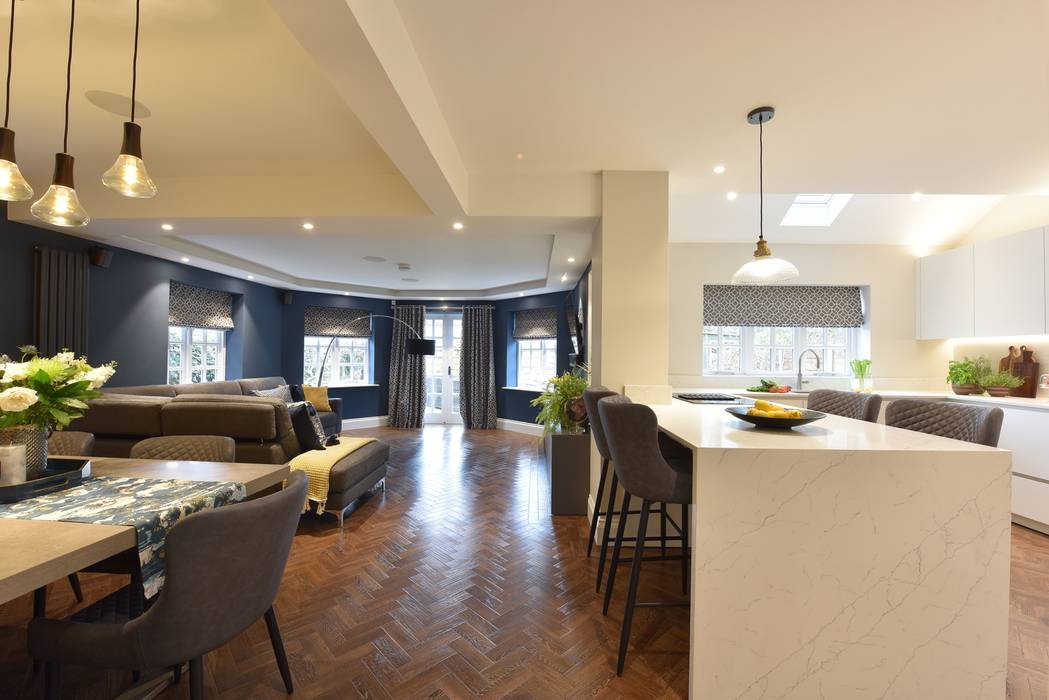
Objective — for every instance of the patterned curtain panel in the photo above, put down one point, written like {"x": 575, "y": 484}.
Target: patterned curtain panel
{"x": 535, "y": 323}
{"x": 749, "y": 305}
{"x": 60, "y": 304}
{"x": 197, "y": 307}
{"x": 407, "y": 391}
{"x": 344, "y": 323}
{"x": 477, "y": 369}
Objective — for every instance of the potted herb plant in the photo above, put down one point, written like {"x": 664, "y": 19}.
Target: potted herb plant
{"x": 861, "y": 372}
{"x": 562, "y": 414}
{"x": 964, "y": 375}
{"x": 42, "y": 394}
{"x": 1000, "y": 383}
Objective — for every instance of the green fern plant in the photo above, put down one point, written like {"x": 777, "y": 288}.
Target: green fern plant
{"x": 561, "y": 403}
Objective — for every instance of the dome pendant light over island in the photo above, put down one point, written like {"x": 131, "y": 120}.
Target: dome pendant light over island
{"x": 765, "y": 268}
{"x": 13, "y": 187}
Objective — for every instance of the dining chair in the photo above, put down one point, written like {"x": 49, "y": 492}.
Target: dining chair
{"x": 71, "y": 442}
{"x": 979, "y": 424}
{"x": 190, "y": 448}
{"x": 198, "y": 610}
{"x": 632, "y": 434}
{"x": 848, "y": 404}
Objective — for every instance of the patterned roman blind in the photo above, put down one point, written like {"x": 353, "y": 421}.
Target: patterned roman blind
{"x": 197, "y": 307}
{"x": 751, "y": 305}
{"x": 535, "y": 323}
{"x": 345, "y": 323}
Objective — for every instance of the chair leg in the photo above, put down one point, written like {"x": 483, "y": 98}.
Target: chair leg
{"x": 685, "y": 555}
{"x": 638, "y": 545}
{"x": 196, "y": 678}
{"x": 39, "y": 610}
{"x": 278, "y": 649}
{"x": 52, "y": 680}
{"x": 631, "y": 594}
{"x": 74, "y": 583}
{"x": 609, "y": 510}
{"x": 597, "y": 506}
{"x": 662, "y": 529}
{"x": 176, "y": 673}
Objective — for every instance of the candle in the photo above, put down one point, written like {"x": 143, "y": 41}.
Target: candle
{"x": 12, "y": 464}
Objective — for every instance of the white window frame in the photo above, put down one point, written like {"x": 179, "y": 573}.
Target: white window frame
{"x": 536, "y": 377}
{"x": 209, "y": 338}
{"x": 335, "y": 365}
{"x": 746, "y": 346}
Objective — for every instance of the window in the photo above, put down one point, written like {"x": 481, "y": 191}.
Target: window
{"x": 763, "y": 350}
{"x": 347, "y": 362}
{"x": 196, "y": 355}
{"x": 815, "y": 209}
{"x": 536, "y": 362}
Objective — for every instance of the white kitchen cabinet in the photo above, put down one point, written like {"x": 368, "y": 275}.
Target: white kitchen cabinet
{"x": 1009, "y": 285}
{"x": 946, "y": 295}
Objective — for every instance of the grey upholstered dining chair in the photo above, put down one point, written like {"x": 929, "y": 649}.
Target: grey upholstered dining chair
{"x": 71, "y": 442}
{"x": 848, "y": 404}
{"x": 197, "y": 610}
{"x": 632, "y": 434}
{"x": 193, "y": 448}
{"x": 979, "y": 424}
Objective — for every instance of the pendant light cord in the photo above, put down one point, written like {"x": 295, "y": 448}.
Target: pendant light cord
{"x": 761, "y": 179}
{"x": 10, "y": 52}
{"x": 134, "y": 63}
{"x": 69, "y": 75}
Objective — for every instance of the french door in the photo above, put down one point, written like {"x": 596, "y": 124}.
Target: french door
{"x": 442, "y": 368}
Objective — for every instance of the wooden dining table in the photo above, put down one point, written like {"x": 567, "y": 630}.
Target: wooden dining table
{"x": 37, "y": 552}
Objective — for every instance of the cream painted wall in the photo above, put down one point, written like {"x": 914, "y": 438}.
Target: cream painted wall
{"x": 1015, "y": 213}
{"x": 899, "y": 361}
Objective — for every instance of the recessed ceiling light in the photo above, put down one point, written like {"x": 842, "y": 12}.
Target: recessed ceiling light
{"x": 520, "y": 156}
{"x": 916, "y": 196}
{"x": 346, "y": 294}
{"x": 308, "y": 226}
{"x": 458, "y": 225}
{"x": 251, "y": 277}
{"x": 185, "y": 259}
{"x": 445, "y": 307}
{"x": 731, "y": 196}
{"x": 718, "y": 169}
{"x": 520, "y": 294}
{"x": 167, "y": 227}
{"x": 564, "y": 277}
{"x": 571, "y": 260}
{"x": 441, "y": 299}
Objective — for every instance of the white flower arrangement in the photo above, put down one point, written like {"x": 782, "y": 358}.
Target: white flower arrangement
{"x": 48, "y": 392}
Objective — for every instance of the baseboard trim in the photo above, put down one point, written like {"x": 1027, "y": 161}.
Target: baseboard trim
{"x": 1030, "y": 524}
{"x": 519, "y": 426}
{"x": 367, "y": 422}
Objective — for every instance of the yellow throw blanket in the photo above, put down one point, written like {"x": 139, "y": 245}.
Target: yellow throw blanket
{"x": 318, "y": 465}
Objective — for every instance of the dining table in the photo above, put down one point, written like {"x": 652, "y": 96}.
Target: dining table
{"x": 38, "y": 552}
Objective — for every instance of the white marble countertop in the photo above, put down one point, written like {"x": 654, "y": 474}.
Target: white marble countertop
{"x": 711, "y": 427}
{"x": 890, "y": 394}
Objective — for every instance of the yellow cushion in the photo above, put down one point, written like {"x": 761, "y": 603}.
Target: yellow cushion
{"x": 318, "y": 396}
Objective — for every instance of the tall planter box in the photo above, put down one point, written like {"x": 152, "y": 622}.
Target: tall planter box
{"x": 568, "y": 468}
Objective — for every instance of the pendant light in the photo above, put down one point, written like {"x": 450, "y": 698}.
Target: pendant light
{"x": 764, "y": 268}
{"x": 128, "y": 174}
{"x": 13, "y": 187}
{"x": 60, "y": 205}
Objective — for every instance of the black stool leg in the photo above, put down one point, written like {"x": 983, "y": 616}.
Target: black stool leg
{"x": 278, "y": 648}
{"x": 597, "y": 506}
{"x": 662, "y": 529}
{"x": 196, "y": 678}
{"x": 52, "y": 680}
{"x": 74, "y": 583}
{"x": 638, "y": 545}
{"x": 685, "y": 554}
{"x": 39, "y": 610}
{"x": 631, "y": 594}
{"x": 176, "y": 673}
{"x": 609, "y": 510}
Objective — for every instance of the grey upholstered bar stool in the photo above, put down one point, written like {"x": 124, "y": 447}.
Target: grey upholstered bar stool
{"x": 979, "y": 424}
{"x": 591, "y": 397}
{"x": 632, "y": 434}
{"x": 848, "y": 404}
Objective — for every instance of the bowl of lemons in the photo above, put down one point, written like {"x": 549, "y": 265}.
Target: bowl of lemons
{"x": 766, "y": 414}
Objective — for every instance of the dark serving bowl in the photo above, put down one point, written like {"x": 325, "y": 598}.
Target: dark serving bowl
{"x": 778, "y": 423}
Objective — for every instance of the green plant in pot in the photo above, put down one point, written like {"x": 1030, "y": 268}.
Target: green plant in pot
{"x": 561, "y": 403}
{"x": 1000, "y": 383}
{"x": 964, "y": 375}
{"x": 861, "y": 372}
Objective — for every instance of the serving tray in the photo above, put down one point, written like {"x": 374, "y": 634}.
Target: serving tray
{"x": 60, "y": 474}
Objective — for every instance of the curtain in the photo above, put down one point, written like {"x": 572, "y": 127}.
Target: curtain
{"x": 477, "y": 369}
{"x": 196, "y": 307}
{"x": 790, "y": 306}
{"x": 407, "y": 390}
{"x": 60, "y": 302}
{"x": 535, "y": 323}
{"x": 345, "y": 323}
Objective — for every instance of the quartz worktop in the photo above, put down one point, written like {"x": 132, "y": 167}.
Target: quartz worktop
{"x": 1038, "y": 404}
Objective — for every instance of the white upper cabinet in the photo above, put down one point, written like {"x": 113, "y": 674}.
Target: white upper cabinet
{"x": 946, "y": 295}
{"x": 1009, "y": 276}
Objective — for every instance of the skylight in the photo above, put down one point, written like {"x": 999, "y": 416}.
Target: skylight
{"x": 815, "y": 209}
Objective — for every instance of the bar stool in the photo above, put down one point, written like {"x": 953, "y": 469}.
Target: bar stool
{"x": 632, "y": 435}
{"x": 848, "y": 404}
{"x": 591, "y": 397}
{"x": 979, "y": 424}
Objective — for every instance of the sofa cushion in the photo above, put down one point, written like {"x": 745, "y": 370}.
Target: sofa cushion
{"x": 248, "y": 418}
{"x": 225, "y": 388}
{"x": 118, "y": 414}
{"x": 249, "y": 385}
{"x": 318, "y": 396}
{"x": 357, "y": 465}
{"x": 331, "y": 422}
{"x": 145, "y": 390}
{"x": 307, "y": 425}
{"x": 282, "y": 392}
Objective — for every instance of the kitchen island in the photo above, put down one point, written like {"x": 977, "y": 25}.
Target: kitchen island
{"x": 844, "y": 559}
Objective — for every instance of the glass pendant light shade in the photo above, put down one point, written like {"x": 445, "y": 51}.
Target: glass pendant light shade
{"x": 60, "y": 205}
{"x": 765, "y": 268}
{"x": 128, "y": 174}
{"x": 13, "y": 187}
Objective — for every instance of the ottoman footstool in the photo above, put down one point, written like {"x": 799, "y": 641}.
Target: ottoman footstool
{"x": 354, "y": 475}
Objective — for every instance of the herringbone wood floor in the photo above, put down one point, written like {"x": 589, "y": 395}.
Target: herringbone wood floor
{"x": 456, "y": 583}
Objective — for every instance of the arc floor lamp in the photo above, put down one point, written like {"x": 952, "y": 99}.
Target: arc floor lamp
{"x": 415, "y": 346}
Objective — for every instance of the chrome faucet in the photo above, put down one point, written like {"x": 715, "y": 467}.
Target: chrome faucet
{"x": 801, "y": 354}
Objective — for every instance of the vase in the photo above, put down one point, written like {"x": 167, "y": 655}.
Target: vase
{"x": 35, "y": 440}
{"x": 861, "y": 385}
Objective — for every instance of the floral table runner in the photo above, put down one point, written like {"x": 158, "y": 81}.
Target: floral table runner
{"x": 151, "y": 506}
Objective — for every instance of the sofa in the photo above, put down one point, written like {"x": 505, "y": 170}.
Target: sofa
{"x": 260, "y": 427}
